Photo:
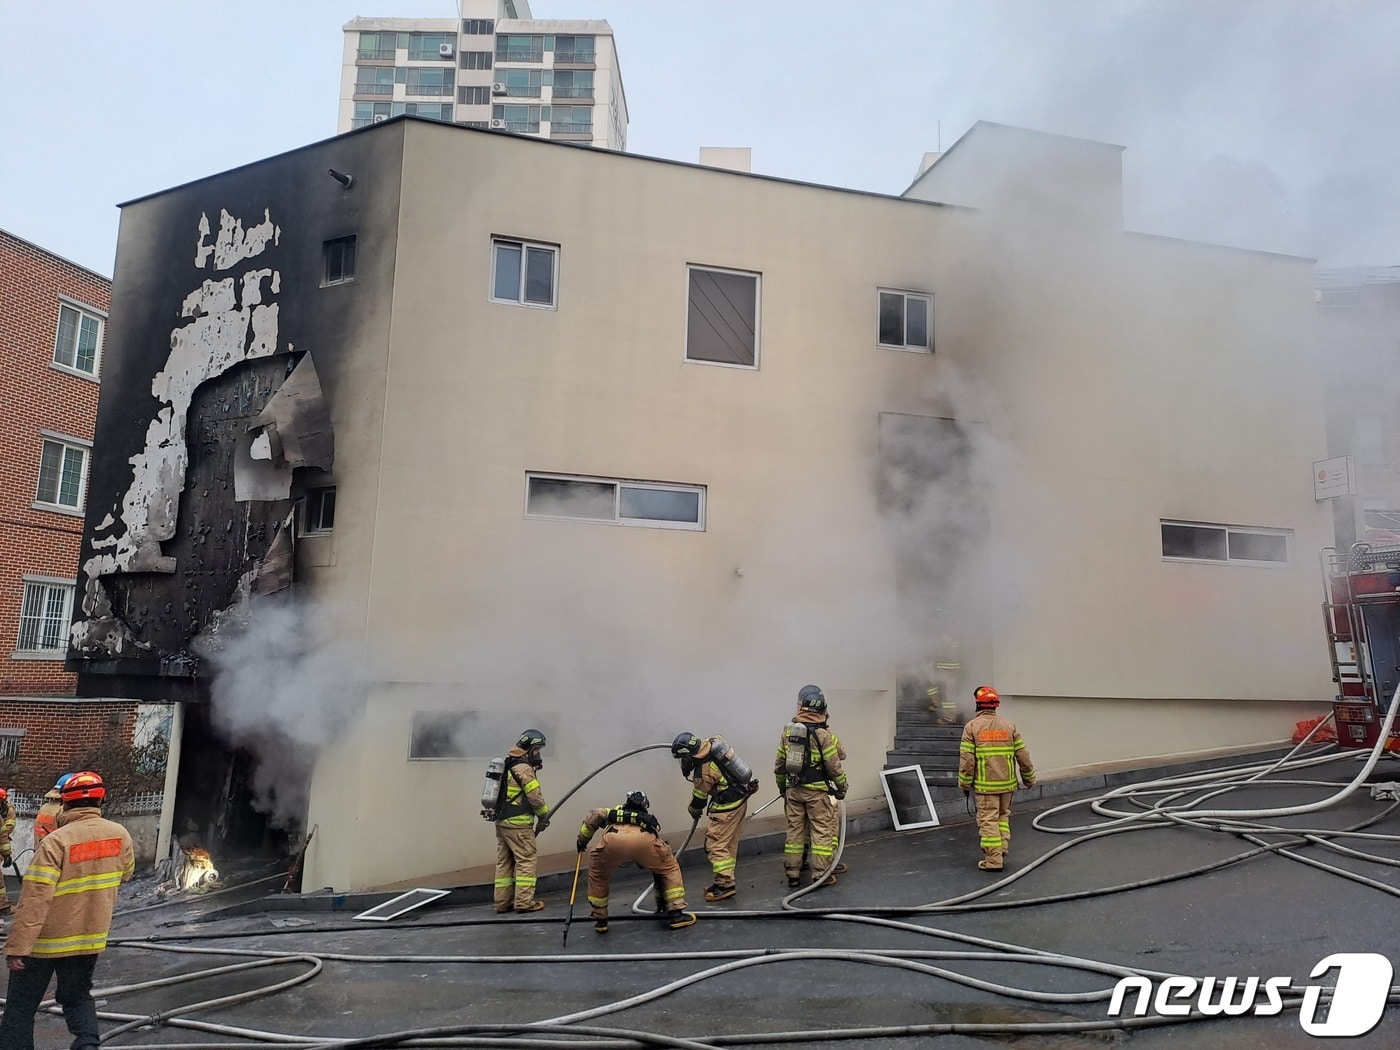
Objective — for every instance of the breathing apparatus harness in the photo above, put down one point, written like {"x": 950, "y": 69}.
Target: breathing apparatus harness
{"x": 802, "y": 770}
{"x": 738, "y": 776}
{"x": 639, "y": 818}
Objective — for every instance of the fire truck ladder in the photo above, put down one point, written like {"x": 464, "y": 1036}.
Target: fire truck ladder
{"x": 1342, "y": 616}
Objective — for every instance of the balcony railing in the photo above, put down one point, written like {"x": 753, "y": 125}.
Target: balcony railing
{"x": 571, "y": 129}
{"x": 431, "y": 54}
{"x": 578, "y": 58}
{"x": 374, "y": 89}
{"x": 528, "y": 127}
{"x": 430, "y": 89}
{"x": 377, "y": 53}
{"x": 573, "y": 91}
{"x": 514, "y": 55}
{"x": 523, "y": 90}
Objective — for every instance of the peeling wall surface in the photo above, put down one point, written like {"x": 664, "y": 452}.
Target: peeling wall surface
{"x": 213, "y": 418}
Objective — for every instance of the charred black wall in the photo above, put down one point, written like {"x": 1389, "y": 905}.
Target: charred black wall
{"x": 219, "y": 286}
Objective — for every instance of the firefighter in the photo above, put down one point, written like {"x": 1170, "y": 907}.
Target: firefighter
{"x": 719, "y": 784}
{"x": 630, "y": 832}
{"x": 7, "y": 860}
{"x": 988, "y": 757}
{"x": 809, "y": 774}
{"x": 47, "y": 817}
{"x": 65, "y": 910}
{"x": 522, "y": 816}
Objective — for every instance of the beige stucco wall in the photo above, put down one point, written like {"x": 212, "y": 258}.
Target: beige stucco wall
{"x": 1117, "y": 380}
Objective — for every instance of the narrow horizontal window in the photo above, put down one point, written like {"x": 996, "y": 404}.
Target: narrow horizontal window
{"x": 722, "y": 317}
{"x": 642, "y": 504}
{"x": 440, "y": 734}
{"x": 1190, "y": 541}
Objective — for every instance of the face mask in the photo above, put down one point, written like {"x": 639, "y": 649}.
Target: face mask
{"x": 687, "y": 766}
{"x": 536, "y": 760}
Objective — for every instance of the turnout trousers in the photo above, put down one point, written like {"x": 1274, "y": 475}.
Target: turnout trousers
{"x": 994, "y": 826}
{"x": 722, "y": 842}
{"x": 26, "y": 991}
{"x": 622, "y": 843}
{"x": 811, "y": 822}
{"x": 516, "y": 855}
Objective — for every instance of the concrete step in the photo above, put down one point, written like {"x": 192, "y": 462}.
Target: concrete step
{"x": 926, "y": 730}
{"x": 932, "y": 776}
{"x": 927, "y": 745}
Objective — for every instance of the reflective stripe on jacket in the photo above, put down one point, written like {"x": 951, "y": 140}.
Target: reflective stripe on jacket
{"x": 46, "y": 820}
{"x": 65, "y": 906}
{"x": 821, "y": 764}
{"x": 989, "y": 753}
{"x": 524, "y": 801}
{"x": 712, "y": 782}
{"x": 7, "y": 824}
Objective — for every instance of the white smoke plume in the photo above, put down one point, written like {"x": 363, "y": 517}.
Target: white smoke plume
{"x": 283, "y": 688}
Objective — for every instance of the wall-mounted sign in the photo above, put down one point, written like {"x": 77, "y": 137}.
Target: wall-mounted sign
{"x": 1334, "y": 477}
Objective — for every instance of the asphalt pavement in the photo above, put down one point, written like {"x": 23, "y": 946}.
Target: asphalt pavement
{"x": 794, "y": 977}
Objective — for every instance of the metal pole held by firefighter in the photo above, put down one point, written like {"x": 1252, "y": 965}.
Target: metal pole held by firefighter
{"x": 573, "y": 893}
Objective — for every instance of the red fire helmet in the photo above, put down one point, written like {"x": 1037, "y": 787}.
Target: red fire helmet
{"x": 986, "y": 696}
{"x": 85, "y": 785}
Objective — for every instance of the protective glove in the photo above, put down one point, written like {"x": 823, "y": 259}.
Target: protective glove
{"x": 696, "y": 812}
{"x": 581, "y": 844}
{"x": 541, "y": 824}
{"x": 840, "y": 794}
{"x": 1029, "y": 782}
{"x": 7, "y": 859}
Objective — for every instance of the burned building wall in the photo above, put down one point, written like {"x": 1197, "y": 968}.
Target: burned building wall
{"x": 221, "y": 291}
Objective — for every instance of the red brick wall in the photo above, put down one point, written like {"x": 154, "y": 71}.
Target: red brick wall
{"x": 58, "y": 731}
{"x": 37, "y": 397}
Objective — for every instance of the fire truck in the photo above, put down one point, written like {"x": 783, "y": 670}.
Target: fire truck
{"x": 1362, "y": 616}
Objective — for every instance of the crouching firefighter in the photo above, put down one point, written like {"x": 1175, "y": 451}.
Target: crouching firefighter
{"x": 723, "y": 782}
{"x": 809, "y": 774}
{"x": 630, "y": 832}
{"x": 989, "y": 754}
{"x": 520, "y": 813}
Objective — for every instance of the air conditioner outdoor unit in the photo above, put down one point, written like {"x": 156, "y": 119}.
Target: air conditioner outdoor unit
{"x": 445, "y": 50}
{"x": 498, "y": 88}
{"x": 378, "y": 118}
{"x": 498, "y": 123}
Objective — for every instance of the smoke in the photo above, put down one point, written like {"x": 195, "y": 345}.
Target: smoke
{"x": 283, "y": 688}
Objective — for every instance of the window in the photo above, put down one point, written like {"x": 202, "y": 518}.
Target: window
{"x": 62, "y": 470}
{"x": 44, "y": 616}
{"x": 521, "y": 118}
{"x": 722, "y": 320}
{"x": 378, "y": 45}
{"x": 573, "y": 83}
{"x": 318, "y": 514}
{"x": 571, "y": 120}
{"x": 439, "y": 734}
{"x": 904, "y": 318}
{"x": 79, "y": 339}
{"x": 339, "y": 256}
{"x": 476, "y": 59}
{"x": 521, "y": 83}
{"x": 431, "y": 110}
{"x": 425, "y": 80}
{"x": 478, "y": 26}
{"x": 645, "y": 504}
{"x": 367, "y": 113}
{"x": 423, "y": 47}
{"x": 474, "y": 96}
{"x": 1189, "y": 541}
{"x": 10, "y": 739}
{"x": 523, "y": 273}
{"x": 574, "y": 49}
{"x": 374, "y": 80}
{"x": 519, "y": 47}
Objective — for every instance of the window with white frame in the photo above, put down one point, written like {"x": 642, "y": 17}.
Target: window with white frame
{"x": 523, "y": 272}
{"x": 645, "y": 504}
{"x": 10, "y": 740}
{"x": 318, "y": 511}
{"x": 79, "y": 340}
{"x": 43, "y": 616}
{"x": 62, "y": 473}
{"x": 904, "y": 321}
{"x": 722, "y": 317}
{"x": 1197, "y": 541}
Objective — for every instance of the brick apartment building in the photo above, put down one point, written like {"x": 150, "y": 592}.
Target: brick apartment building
{"x": 53, "y": 316}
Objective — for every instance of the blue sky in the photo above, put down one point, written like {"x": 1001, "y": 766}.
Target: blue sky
{"x": 1264, "y": 123}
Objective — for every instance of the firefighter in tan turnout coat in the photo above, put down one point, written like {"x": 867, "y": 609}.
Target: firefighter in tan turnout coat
{"x": 810, "y": 776}
{"x": 723, "y": 784}
{"x": 523, "y": 815}
{"x": 65, "y": 910}
{"x": 631, "y": 833}
{"x": 989, "y": 755}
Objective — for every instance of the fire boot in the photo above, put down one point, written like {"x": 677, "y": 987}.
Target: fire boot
{"x": 601, "y": 926}
{"x": 680, "y": 919}
{"x": 719, "y": 893}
